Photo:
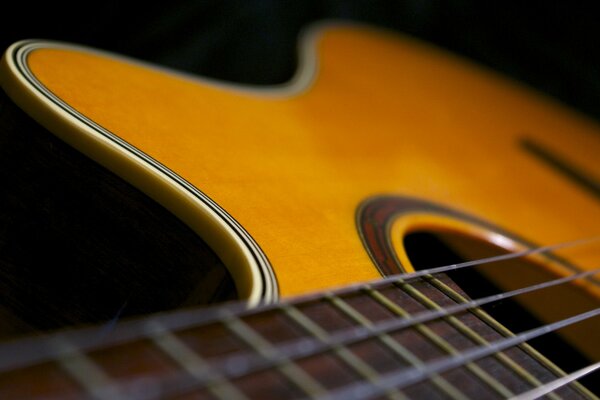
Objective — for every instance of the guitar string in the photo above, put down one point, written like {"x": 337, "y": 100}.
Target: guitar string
{"x": 451, "y": 267}
{"x": 307, "y": 347}
{"x": 558, "y": 383}
{"x": 26, "y": 351}
{"x": 242, "y": 365}
{"x": 472, "y": 334}
{"x": 411, "y": 376}
{"x": 491, "y": 298}
{"x": 180, "y": 384}
{"x": 55, "y": 351}
{"x": 440, "y": 341}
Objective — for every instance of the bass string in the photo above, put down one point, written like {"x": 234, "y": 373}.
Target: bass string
{"x": 229, "y": 367}
{"x": 35, "y": 350}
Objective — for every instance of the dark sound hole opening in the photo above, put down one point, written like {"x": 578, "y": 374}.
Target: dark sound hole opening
{"x": 427, "y": 249}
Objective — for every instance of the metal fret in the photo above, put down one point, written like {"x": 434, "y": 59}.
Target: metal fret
{"x": 436, "y": 339}
{"x": 393, "y": 345}
{"x": 411, "y": 376}
{"x": 287, "y": 367}
{"x": 87, "y": 373}
{"x": 358, "y": 365}
{"x": 470, "y": 333}
{"x": 192, "y": 363}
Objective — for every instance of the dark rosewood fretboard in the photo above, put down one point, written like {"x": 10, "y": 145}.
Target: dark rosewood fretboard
{"x": 230, "y": 353}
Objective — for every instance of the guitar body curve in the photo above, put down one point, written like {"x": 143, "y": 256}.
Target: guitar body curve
{"x": 379, "y": 116}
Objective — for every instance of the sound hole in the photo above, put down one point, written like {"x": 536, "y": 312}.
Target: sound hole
{"x": 428, "y": 249}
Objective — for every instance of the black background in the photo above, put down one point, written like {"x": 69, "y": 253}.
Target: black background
{"x": 550, "y": 46}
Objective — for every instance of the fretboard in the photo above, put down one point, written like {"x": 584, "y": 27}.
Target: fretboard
{"x": 345, "y": 344}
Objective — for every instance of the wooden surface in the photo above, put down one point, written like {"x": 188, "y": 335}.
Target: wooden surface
{"x": 383, "y": 116}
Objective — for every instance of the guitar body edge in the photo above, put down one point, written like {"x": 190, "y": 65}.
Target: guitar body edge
{"x": 251, "y": 270}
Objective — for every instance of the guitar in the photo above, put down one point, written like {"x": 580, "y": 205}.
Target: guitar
{"x": 393, "y": 222}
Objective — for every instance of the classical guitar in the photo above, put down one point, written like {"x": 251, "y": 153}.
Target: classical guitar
{"x": 392, "y": 223}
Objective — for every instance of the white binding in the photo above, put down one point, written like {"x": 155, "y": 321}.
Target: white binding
{"x": 150, "y": 176}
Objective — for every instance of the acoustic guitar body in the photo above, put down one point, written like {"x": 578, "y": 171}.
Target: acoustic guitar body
{"x": 382, "y": 156}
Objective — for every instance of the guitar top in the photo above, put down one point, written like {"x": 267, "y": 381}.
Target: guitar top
{"x": 378, "y": 142}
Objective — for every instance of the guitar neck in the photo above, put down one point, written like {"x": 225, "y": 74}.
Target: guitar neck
{"x": 332, "y": 343}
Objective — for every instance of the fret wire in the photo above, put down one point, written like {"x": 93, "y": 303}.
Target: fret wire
{"x": 412, "y": 376}
{"x": 467, "y": 331}
{"x": 393, "y": 345}
{"x": 193, "y": 364}
{"x": 58, "y": 352}
{"x": 296, "y": 354}
{"x": 429, "y": 315}
{"x": 484, "y": 316}
{"x": 307, "y": 347}
{"x": 358, "y": 365}
{"x": 540, "y": 391}
{"x": 87, "y": 373}
{"x": 33, "y": 350}
{"x": 440, "y": 342}
{"x": 287, "y": 367}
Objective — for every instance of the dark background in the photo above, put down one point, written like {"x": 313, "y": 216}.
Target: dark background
{"x": 551, "y": 46}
